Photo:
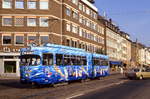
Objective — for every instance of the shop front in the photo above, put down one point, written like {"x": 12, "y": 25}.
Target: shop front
{"x": 9, "y": 65}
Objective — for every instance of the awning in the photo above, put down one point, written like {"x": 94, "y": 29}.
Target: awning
{"x": 115, "y": 62}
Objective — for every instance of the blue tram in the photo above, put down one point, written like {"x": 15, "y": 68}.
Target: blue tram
{"x": 50, "y": 64}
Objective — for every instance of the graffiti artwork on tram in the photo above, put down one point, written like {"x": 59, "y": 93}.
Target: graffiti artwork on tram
{"x": 61, "y": 73}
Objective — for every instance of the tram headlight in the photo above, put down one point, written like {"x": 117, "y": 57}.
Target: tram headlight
{"x": 27, "y": 75}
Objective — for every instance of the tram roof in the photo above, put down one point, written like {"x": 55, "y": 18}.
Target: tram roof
{"x": 100, "y": 56}
{"x": 60, "y": 49}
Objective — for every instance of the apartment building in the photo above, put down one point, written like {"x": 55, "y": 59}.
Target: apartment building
{"x": 118, "y": 45}
{"x": 81, "y": 27}
{"x": 68, "y": 22}
{"x": 140, "y": 55}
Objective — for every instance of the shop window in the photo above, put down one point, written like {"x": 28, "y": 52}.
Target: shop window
{"x": 31, "y": 39}
{"x": 19, "y": 39}
{"x": 44, "y": 39}
{"x": 10, "y": 66}
{"x": 7, "y": 39}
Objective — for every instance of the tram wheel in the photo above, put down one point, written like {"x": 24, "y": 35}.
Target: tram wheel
{"x": 82, "y": 80}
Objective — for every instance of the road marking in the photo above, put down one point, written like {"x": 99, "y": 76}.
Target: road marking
{"x": 121, "y": 82}
{"x": 75, "y": 96}
{"x": 98, "y": 88}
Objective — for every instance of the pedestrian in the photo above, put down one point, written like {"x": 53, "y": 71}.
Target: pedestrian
{"x": 121, "y": 70}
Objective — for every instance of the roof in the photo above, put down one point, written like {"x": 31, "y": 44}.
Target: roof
{"x": 90, "y": 5}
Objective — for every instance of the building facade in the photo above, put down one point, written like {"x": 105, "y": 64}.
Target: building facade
{"x": 67, "y": 22}
{"x": 118, "y": 45}
{"x": 140, "y": 55}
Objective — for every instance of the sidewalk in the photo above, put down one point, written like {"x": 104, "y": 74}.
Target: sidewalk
{"x": 8, "y": 77}
{"x": 114, "y": 72}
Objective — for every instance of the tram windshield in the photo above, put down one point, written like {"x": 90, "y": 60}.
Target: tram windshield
{"x": 30, "y": 60}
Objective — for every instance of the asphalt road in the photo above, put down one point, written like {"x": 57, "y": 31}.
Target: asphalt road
{"x": 134, "y": 89}
{"x": 12, "y": 89}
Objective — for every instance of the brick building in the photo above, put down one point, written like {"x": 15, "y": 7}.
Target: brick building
{"x": 68, "y": 22}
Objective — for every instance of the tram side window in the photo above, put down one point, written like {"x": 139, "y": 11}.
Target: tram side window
{"x": 83, "y": 60}
{"x": 104, "y": 63}
{"x": 67, "y": 60}
{"x": 96, "y": 61}
{"x": 78, "y": 60}
{"x": 73, "y": 60}
{"x": 47, "y": 59}
{"x": 59, "y": 59}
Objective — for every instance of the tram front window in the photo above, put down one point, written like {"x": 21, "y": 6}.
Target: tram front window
{"x": 30, "y": 60}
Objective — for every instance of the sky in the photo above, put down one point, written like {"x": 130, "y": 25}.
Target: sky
{"x": 132, "y": 16}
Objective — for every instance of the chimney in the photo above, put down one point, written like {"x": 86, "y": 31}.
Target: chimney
{"x": 110, "y": 20}
{"x": 92, "y": 1}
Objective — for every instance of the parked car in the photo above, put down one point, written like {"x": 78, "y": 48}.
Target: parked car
{"x": 138, "y": 73}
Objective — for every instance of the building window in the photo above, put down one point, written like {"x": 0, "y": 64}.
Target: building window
{"x": 43, "y": 4}
{"x": 19, "y": 39}
{"x": 9, "y": 66}
{"x": 87, "y": 11}
{"x": 19, "y": 4}
{"x": 80, "y": 32}
{"x": 31, "y": 39}
{"x": 68, "y": 42}
{"x": 31, "y": 21}
{"x": 44, "y": 21}
{"x": 19, "y": 21}
{"x": 32, "y": 4}
{"x": 68, "y": 11}
{"x": 7, "y": 39}
{"x": 83, "y": 8}
{"x": 75, "y": 15}
{"x": 7, "y": 21}
{"x": 68, "y": 27}
{"x": 7, "y": 4}
{"x": 75, "y": 2}
{"x": 80, "y": 19}
{"x": 44, "y": 39}
{"x": 80, "y": 6}
{"x": 74, "y": 29}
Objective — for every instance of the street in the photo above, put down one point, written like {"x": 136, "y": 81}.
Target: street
{"x": 12, "y": 89}
{"x": 134, "y": 89}
{"x": 112, "y": 87}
